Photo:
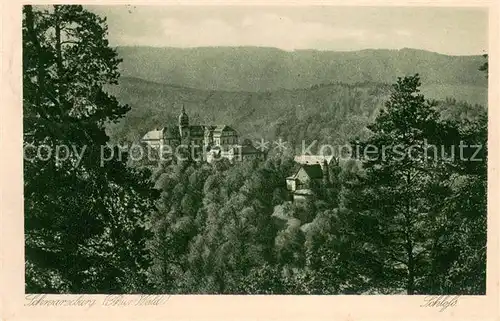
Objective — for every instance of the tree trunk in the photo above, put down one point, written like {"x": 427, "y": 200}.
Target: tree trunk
{"x": 59, "y": 60}
{"x": 410, "y": 282}
{"x": 30, "y": 26}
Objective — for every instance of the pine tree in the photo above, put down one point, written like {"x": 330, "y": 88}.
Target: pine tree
{"x": 394, "y": 204}
{"x": 84, "y": 220}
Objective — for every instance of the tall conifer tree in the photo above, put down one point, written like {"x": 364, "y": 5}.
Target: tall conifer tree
{"x": 84, "y": 221}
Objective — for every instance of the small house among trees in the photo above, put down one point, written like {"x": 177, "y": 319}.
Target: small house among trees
{"x": 302, "y": 183}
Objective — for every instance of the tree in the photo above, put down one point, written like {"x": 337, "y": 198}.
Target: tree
{"x": 416, "y": 212}
{"x": 458, "y": 262}
{"x": 459, "y": 255}
{"x": 84, "y": 219}
{"x": 396, "y": 200}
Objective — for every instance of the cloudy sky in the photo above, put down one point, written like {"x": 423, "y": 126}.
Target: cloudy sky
{"x": 455, "y": 31}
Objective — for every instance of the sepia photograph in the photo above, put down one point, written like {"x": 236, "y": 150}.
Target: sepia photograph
{"x": 252, "y": 160}
{"x": 254, "y": 150}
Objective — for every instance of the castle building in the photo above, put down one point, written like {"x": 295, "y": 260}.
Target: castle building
{"x": 211, "y": 142}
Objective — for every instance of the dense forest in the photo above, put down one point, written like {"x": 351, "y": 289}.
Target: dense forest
{"x": 414, "y": 224}
{"x": 329, "y": 113}
{"x": 258, "y": 69}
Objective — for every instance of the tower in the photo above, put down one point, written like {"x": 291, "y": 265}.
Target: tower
{"x": 208, "y": 136}
{"x": 326, "y": 172}
{"x": 184, "y": 125}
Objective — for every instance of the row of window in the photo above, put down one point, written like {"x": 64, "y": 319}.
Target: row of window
{"x": 218, "y": 141}
{"x": 224, "y": 141}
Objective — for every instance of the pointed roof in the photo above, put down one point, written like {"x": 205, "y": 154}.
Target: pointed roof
{"x": 249, "y": 149}
{"x": 223, "y": 128}
{"x": 183, "y": 117}
{"x": 313, "y": 171}
{"x": 197, "y": 128}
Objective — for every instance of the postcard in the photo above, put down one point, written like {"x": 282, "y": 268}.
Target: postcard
{"x": 250, "y": 160}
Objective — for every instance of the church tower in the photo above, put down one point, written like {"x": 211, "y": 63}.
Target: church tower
{"x": 184, "y": 125}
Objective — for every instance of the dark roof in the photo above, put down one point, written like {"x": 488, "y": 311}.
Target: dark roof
{"x": 171, "y": 133}
{"x": 197, "y": 129}
{"x": 313, "y": 171}
{"x": 223, "y": 128}
{"x": 249, "y": 149}
{"x": 183, "y": 117}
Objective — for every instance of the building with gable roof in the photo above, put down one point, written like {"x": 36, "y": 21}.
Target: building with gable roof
{"x": 209, "y": 141}
{"x": 322, "y": 160}
{"x": 302, "y": 183}
{"x": 153, "y": 138}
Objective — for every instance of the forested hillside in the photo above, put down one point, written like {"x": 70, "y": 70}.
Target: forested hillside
{"x": 414, "y": 225}
{"x": 333, "y": 113}
{"x": 321, "y": 111}
{"x": 271, "y": 93}
{"x": 264, "y": 69}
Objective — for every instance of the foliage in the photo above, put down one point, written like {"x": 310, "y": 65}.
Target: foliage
{"x": 84, "y": 223}
{"x": 330, "y": 113}
{"x": 386, "y": 224}
{"x": 484, "y": 66}
{"x": 413, "y": 224}
{"x": 407, "y": 210}
{"x": 262, "y": 69}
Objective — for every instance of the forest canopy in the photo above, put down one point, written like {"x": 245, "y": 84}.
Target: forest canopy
{"x": 388, "y": 225}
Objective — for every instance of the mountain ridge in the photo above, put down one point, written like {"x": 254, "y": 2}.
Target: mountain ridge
{"x": 255, "y": 69}
{"x": 299, "y": 50}
{"x": 333, "y": 112}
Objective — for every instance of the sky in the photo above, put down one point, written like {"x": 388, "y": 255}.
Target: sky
{"x": 453, "y": 31}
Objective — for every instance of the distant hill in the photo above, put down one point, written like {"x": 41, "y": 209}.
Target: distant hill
{"x": 271, "y": 93}
{"x": 253, "y": 114}
{"x": 267, "y": 69}
{"x": 330, "y": 113}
